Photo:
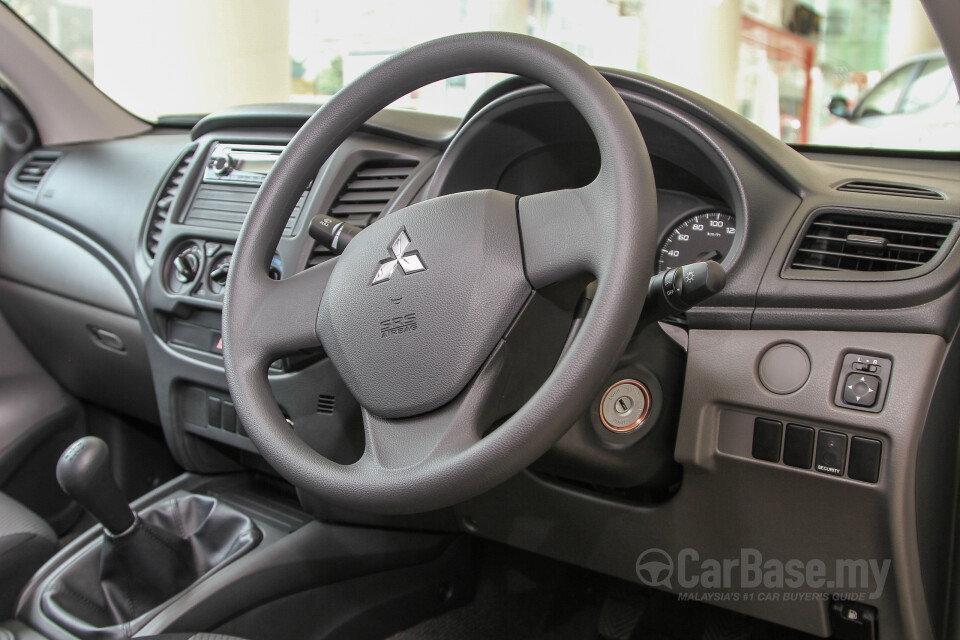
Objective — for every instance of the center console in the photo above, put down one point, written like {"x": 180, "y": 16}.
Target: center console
{"x": 186, "y": 249}
{"x": 258, "y": 553}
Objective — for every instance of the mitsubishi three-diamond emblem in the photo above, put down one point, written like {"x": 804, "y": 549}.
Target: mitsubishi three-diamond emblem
{"x": 409, "y": 262}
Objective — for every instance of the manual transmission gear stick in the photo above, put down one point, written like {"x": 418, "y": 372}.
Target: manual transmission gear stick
{"x": 143, "y": 560}
{"x": 83, "y": 472}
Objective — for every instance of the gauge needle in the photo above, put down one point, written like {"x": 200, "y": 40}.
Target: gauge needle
{"x": 709, "y": 255}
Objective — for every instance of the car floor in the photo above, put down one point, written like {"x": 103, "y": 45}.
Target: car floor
{"x": 522, "y": 595}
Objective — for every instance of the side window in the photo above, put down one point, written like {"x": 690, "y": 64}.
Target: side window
{"x": 885, "y": 97}
{"x": 932, "y": 86}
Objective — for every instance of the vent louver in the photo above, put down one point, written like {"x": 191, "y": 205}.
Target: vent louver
{"x": 869, "y": 242}
{"x": 35, "y": 168}
{"x": 160, "y": 210}
{"x": 890, "y": 189}
{"x": 365, "y": 195}
{"x": 326, "y": 404}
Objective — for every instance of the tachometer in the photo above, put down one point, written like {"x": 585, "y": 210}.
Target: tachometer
{"x": 698, "y": 238}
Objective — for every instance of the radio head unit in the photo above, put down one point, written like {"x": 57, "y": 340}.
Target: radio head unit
{"x": 240, "y": 164}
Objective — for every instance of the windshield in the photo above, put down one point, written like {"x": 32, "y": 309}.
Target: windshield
{"x": 860, "y": 73}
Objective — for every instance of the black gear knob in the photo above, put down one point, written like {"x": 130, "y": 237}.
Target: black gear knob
{"x": 83, "y": 472}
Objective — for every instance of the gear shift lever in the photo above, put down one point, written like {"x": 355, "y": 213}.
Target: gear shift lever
{"x": 83, "y": 472}
{"x": 111, "y": 590}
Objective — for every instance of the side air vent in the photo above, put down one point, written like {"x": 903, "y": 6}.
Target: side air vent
{"x": 365, "y": 195}
{"x": 837, "y": 241}
{"x": 35, "y": 168}
{"x": 160, "y": 210}
{"x": 890, "y": 189}
{"x": 325, "y": 404}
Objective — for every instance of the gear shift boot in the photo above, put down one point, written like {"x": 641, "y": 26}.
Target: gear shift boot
{"x": 113, "y": 589}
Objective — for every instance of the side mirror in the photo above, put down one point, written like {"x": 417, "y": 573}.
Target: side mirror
{"x": 838, "y": 106}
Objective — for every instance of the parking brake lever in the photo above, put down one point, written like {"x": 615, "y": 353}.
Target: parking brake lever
{"x": 677, "y": 290}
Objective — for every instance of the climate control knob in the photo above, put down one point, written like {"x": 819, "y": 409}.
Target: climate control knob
{"x": 219, "y": 270}
{"x": 184, "y": 268}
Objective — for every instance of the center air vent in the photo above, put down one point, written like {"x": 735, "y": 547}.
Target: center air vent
{"x": 35, "y": 168}
{"x": 869, "y": 242}
{"x": 160, "y": 210}
{"x": 890, "y": 189}
{"x": 365, "y": 195}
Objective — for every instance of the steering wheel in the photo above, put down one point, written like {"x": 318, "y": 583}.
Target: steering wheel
{"x": 415, "y": 311}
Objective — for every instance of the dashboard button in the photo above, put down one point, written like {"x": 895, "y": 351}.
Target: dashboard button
{"x": 228, "y": 417}
{"x": 831, "y": 452}
{"x": 798, "y": 444}
{"x": 766, "y": 439}
{"x": 865, "y": 454}
{"x": 861, "y": 389}
{"x": 213, "y": 412}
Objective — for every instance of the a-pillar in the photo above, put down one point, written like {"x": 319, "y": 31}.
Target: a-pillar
{"x": 910, "y": 32}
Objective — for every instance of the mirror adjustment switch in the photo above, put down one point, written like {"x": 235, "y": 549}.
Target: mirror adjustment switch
{"x": 865, "y": 454}
{"x": 831, "y": 452}
{"x": 798, "y": 446}
{"x": 863, "y": 383}
{"x": 861, "y": 389}
{"x": 766, "y": 439}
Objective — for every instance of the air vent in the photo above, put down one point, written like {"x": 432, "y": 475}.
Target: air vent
{"x": 863, "y": 242}
{"x": 225, "y": 206}
{"x": 160, "y": 210}
{"x": 365, "y": 195}
{"x": 325, "y": 404}
{"x": 890, "y": 189}
{"x": 35, "y": 168}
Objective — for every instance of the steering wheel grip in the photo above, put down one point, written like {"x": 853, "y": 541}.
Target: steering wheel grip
{"x": 434, "y": 453}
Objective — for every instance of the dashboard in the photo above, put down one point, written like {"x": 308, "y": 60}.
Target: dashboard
{"x": 114, "y": 256}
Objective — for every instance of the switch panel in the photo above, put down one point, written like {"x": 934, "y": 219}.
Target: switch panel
{"x": 863, "y": 383}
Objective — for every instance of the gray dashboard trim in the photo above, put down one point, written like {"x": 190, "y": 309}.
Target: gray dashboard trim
{"x": 72, "y": 234}
{"x": 35, "y": 255}
{"x": 409, "y": 126}
{"x": 730, "y": 501}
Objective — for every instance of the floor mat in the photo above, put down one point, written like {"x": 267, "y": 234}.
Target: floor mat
{"x": 519, "y": 595}
{"x": 522, "y": 595}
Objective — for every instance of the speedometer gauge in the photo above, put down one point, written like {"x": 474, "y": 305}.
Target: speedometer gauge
{"x": 698, "y": 238}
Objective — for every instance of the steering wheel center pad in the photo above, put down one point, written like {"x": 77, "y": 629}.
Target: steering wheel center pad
{"x": 419, "y": 300}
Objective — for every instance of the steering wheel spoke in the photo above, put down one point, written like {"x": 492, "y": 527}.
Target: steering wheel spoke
{"x": 440, "y": 434}
{"x": 283, "y": 318}
{"x": 563, "y": 233}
